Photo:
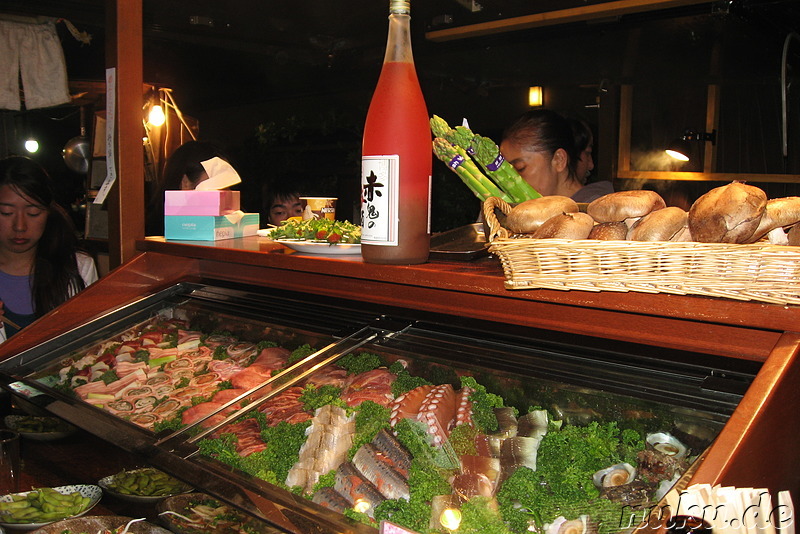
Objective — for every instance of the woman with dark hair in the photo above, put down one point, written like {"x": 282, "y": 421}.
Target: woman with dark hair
{"x": 40, "y": 264}
{"x": 183, "y": 171}
{"x": 541, "y": 145}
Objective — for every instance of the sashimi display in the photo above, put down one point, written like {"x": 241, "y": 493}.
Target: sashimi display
{"x": 385, "y": 435}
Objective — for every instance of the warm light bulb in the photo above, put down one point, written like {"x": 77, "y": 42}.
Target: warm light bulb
{"x": 450, "y": 518}
{"x": 32, "y": 145}
{"x": 361, "y": 506}
{"x": 677, "y": 155}
{"x": 535, "y": 96}
{"x": 156, "y": 116}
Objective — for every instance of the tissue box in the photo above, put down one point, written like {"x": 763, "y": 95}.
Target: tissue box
{"x": 201, "y": 202}
{"x": 207, "y": 228}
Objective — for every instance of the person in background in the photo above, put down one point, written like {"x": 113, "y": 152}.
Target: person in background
{"x": 280, "y": 202}
{"x": 540, "y": 145}
{"x": 41, "y": 265}
{"x": 183, "y": 171}
{"x": 584, "y": 143}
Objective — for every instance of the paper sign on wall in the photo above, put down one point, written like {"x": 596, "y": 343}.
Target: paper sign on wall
{"x": 111, "y": 115}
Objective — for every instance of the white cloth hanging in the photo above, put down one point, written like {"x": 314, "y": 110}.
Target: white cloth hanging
{"x": 33, "y": 53}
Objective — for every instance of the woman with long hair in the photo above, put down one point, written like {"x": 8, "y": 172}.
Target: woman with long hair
{"x": 41, "y": 265}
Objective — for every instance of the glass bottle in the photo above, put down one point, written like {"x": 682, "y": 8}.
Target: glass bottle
{"x": 396, "y": 156}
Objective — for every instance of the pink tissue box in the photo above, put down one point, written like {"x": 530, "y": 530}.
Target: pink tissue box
{"x": 213, "y": 203}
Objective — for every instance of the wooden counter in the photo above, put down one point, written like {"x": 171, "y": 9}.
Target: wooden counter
{"x": 475, "y": 289}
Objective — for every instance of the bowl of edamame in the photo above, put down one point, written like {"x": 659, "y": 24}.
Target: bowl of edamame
{"x": 33, "y": 509}
{"x": 143, "y": 485}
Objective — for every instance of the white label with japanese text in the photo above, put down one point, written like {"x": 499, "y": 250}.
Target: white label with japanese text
{"x": 380, "y": 176}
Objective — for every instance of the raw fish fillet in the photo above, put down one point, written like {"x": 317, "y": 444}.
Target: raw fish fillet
{"x": 331, "y": 499}
{"x": 393, "y": 451}
{"x": 468, "y": 485}
{"x": 482, "y": 465}
{"x": 358, "y": 491}
{"x": 372, "y": 464}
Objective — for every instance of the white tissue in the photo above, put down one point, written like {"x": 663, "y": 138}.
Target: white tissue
{"x": 234, "y": 217}
{"x": 220, "y": 175}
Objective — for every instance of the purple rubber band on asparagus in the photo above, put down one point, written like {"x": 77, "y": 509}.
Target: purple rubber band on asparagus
{"x": 456, "y": 162}
{"x": 493, "y": 166}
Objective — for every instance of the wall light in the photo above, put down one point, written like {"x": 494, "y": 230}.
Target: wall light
{"x": 157, "y": 103}
{"x": 681, "y": 147}
{"x": 156, "y": 116}
{"x": 32, "y": 145}
{"x": 535, "y": 98}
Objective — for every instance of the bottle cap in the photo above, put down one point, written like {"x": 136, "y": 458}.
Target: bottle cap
{"x": 400, "y": 6}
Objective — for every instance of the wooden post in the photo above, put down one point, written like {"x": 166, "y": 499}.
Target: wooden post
{"x": 126, "y": 199}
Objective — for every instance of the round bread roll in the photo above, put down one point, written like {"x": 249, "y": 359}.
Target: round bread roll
{"x": 526, "y": 217}
{"x": 565, "y": 226}
{"x": 727, "y": 214}
{"x": 659, "y": 225}
{"x": 623, "y": 205}
{"x": 779, "y": 213}
{"x": 609, "y": 231}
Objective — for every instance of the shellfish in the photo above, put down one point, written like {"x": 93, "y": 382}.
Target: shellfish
{"x": 615, "y": 475}
{"x": 667, "y": 444}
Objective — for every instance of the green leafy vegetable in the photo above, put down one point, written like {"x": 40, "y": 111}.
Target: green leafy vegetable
{"x": 357, "y": 363}
{"x": 483, "y": 405}
{"x": 562, "y": 483}
{"x": 299, "y": 353}
{"x": 314, "y": 397}
{"x": 370, "y": 418}
{"x": 318, "y": 230}
{"x": 406, "y": 382}
{"x": 478, "y": 516}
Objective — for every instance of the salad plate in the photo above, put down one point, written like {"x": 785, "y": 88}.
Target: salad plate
{"x": 320, "y": 247}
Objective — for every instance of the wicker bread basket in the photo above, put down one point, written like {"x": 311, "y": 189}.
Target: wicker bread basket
{"x": 759, "y": 272}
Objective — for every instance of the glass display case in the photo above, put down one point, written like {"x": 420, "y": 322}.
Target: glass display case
{"x": 319, "y": 414}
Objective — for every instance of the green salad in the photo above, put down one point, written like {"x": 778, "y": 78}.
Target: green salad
{"x": 318, "y": 231}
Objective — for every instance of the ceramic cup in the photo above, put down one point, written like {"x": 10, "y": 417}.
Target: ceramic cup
{"x": 9, "y": 462}
{"x": 318, "y": 207}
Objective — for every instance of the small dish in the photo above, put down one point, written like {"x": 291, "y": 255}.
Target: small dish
{"x": 39, "y": 428}
{"x": 225, "y": 518}
{"x": 321, "y": 247}
{"x": 108, "y": 484}
{"x": 100, "y": 523}
{"x": 94, "y": 493}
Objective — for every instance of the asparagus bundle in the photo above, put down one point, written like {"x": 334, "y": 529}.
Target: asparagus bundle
{"x": 487, "y": 154}
{"x": 457, "y": 159}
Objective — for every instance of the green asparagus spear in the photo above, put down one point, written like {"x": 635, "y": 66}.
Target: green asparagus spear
{"x": 457, "y": 159}
{"x": 487, "y": 153}
{"x": 440, "y": 128}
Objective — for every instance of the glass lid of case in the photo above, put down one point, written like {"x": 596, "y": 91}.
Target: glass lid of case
{"x": 432, "y": 429}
